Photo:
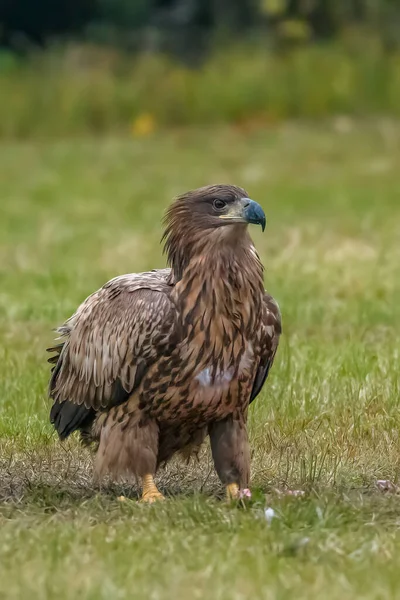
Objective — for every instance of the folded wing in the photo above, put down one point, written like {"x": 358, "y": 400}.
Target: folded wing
{"x": 107, "y": 346}
{"x": 271, "y": 329}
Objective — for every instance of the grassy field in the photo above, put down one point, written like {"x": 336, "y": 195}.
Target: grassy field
{"x": 76, "y": 213}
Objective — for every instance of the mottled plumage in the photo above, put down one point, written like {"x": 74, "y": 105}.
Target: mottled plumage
{"x": 152, "y": 362}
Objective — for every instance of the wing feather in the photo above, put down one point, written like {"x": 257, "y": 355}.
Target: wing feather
{"x": 271, "y": 330}
{"x": 112, "y": 337}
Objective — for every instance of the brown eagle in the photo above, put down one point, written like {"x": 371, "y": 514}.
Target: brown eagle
{"x": 153, "y": 362}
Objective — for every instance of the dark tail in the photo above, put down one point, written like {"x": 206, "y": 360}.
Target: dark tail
{"x": 67, "y": 417}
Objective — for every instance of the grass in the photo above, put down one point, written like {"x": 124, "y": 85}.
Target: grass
{"x": 74, "y": 214}
{"x": 86, "y": 89}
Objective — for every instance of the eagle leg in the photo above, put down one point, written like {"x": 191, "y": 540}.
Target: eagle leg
{"x": 128, "y": 446}
{"x": 150, "y": 492}
{"x": 231, "y": 453}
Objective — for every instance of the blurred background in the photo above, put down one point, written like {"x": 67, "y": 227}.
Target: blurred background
{"x": 77, "y": 66}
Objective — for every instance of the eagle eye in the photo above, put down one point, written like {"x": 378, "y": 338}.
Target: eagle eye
{"x": 219, "y": 204}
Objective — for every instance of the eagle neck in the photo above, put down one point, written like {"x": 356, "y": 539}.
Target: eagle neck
{"x": 222, "y": 285}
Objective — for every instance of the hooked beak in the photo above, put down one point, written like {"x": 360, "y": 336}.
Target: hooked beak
{"x": 245, "y": 211}
{"x": 253, "y": 213}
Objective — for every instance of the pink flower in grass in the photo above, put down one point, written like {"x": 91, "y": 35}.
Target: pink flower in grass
{"x": 245, "y": 493}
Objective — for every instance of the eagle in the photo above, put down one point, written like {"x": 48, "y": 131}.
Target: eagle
{"x": 152, "y": 363}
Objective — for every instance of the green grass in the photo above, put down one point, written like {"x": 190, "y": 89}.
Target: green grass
{"x": 75, "y": 90}
{"x": 76, "y": 213}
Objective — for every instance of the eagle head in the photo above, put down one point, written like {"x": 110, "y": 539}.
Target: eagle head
{"x": 196, "y": 218}
{"x": 214, "y": 206}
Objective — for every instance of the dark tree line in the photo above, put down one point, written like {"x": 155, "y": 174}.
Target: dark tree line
{"x": 134, "y": 22}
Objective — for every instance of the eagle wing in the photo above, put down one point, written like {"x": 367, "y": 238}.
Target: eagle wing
{"x": 270, "y": 332}
{"x": 108, "y": 344}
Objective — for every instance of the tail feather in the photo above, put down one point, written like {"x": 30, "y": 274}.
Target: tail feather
{"x": 67, "y": 417}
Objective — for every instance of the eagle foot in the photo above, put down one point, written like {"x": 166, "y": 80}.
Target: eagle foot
{"x": 151, "y": 497}
{"x": 232, "y": 492}
{"x": 150, "y": 492}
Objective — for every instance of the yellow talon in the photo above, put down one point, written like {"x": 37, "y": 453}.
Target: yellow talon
{"x": 150, "y": 492}
{"x": 232, "y": 492}
{"x": 152, "y": 497}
